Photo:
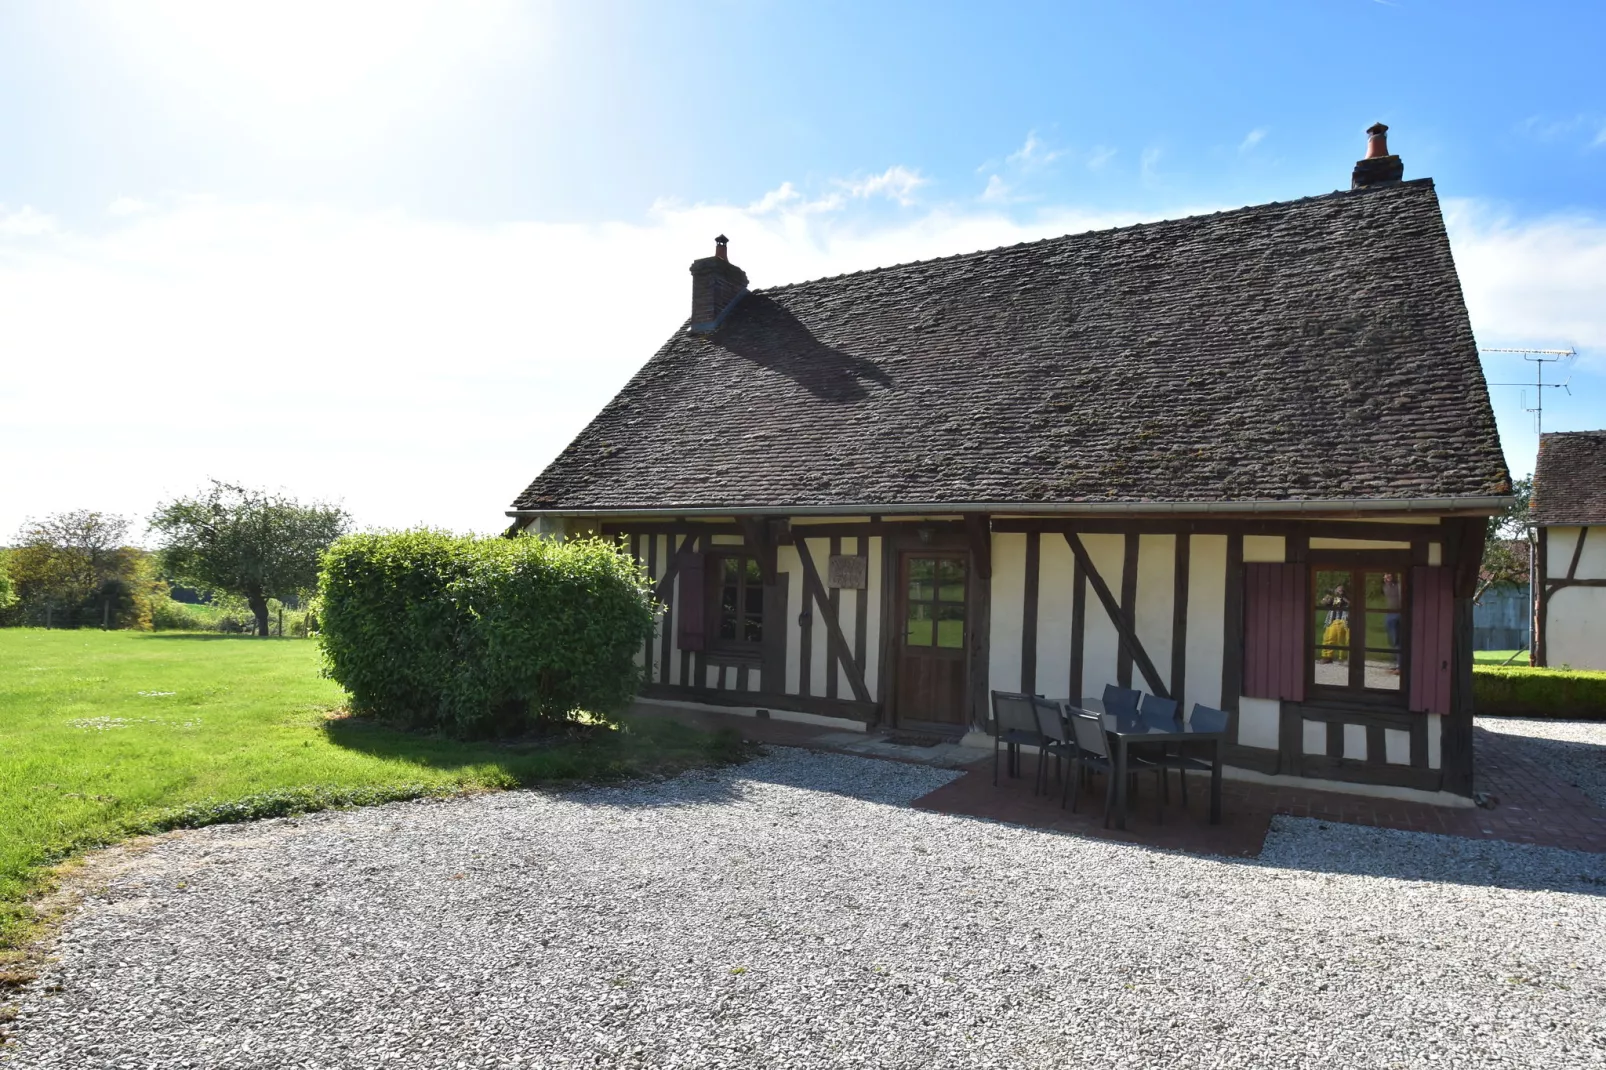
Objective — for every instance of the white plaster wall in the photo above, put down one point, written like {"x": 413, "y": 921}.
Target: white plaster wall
{"x": 1575, "y": 621}
{"x": 1435, "y": 740}
{"x": 1435, "y": 554}
{"x": 1355, "y": 742}
{"x": 1258, "y": 722}
{"x": 1155, "y": 606}
{"x": 1101, "y": 645}
{"x": 1397, "y": 746}
{"x": 1207, "y": 607}
{"x": 1315, "y": 737}
{"x": 1265, "y": 548}
{"x": 1008, "y": 591}
{"x": 1054, "y": 598}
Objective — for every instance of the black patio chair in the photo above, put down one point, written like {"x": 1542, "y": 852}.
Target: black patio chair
{"x": 1176, "y": 756}
{"x": 1056, "y": 741}
{"x": 1117, "y": 699}
{"x": 1093, "y": 755}
{"x": 1014, "y": 727}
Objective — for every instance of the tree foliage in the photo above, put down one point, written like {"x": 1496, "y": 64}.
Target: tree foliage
{"x": 1508, "y": 542}
{"x": 8, "y": 590}
{"x": 76, "y": 567}
{"x": 252, "y": 543}
{"x": 482, "y": 637}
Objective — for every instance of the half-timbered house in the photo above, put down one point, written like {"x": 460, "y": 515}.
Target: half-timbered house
{"x": 1242, "y": 459}
{"x": 1569, "y": 514}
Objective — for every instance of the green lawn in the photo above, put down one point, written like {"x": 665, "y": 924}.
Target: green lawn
{"x": 1497, "y": 657}
{"x": 105, "y": 734}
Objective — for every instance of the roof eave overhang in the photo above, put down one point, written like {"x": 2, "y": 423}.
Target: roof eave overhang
{"x": 1464, "y": 506}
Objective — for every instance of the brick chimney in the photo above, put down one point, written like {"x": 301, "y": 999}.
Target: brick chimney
{"x": 1378, "y": 166}
{"x": 716, "y": 286}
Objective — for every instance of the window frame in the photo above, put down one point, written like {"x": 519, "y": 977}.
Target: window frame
{"x": 714, "y": 613}
{"x": 1357, "y": 563}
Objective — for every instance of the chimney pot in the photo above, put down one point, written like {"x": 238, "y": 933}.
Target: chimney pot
{"x": 719, "y": 247}
{"x": 1377, "y": 141}
{"x": 1378, "y": 166}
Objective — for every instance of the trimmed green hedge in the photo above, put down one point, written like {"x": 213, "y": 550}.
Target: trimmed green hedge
{"x": 482, "y": 637}
{"x": 1528, "y": 692}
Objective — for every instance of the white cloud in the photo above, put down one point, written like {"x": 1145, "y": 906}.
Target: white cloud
{"x": 127, "y": 206}
{"x": 997, "y": 191}
{"x": 896, "y": 183}
{"x": 1537, "y": 283}
{"x": 419, "y": 370}
{"x": 1148, "y": 162}
{"x": 1033, "y": 154}
{"x": 1590, "y": 128}
{"x": 26, "y": 220}
{"x": 1251, "y": 139}
{"x": 1101, "y": 155}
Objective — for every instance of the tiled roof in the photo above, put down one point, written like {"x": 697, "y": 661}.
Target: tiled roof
{"x": 1570, "y": 478}
{"x": 1316, "y": 349}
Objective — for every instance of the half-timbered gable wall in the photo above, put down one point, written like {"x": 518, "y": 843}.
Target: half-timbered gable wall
{"x": 1572, "y": 596}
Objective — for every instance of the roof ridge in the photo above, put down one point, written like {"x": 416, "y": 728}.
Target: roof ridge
{"x": 1425, "y": 181}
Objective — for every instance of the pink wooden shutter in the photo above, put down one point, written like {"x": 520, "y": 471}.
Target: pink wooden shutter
{"x": 1431, "y": 628}
{"x": 689, "y": 613}
{"x": 1274, "y": 631}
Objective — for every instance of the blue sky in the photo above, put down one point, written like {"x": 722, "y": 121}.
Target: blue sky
{"x": 398, "y": 253}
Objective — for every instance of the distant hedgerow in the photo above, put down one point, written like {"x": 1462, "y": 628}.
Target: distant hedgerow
{"x": 482, "y": 637}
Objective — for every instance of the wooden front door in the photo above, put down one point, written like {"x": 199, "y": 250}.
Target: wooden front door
{"x": 933, "y": 620}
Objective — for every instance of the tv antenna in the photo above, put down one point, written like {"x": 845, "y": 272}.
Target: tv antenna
{"x": 1539, "y": 358}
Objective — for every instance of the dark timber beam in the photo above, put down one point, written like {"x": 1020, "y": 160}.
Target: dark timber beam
{"x": 1126, "y": 634}
{"x": 687, "y": 548}
{"x": 1384, "y": 531}
{"x": 1578, "y": 551}
{"x": 979, "y": 532}
{"x": 1179, "y": 619}
{"x": 836, "y": 642}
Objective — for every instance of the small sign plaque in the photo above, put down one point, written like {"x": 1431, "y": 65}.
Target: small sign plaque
{"x": 848, "y": 571}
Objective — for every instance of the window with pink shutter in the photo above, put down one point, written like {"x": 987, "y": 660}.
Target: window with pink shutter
{"x": 1274, "y": 631}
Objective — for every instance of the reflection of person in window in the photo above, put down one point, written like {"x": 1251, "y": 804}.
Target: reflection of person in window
{"x": 1335, "y": 634}
{"x": 1391, "y": 615}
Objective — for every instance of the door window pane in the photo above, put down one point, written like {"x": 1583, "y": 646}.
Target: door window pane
{"x": 951, "y": 626}
{"x": 918, "y": 627}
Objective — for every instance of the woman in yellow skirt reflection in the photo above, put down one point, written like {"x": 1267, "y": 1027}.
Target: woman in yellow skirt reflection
{"x": 1335, "y": 632}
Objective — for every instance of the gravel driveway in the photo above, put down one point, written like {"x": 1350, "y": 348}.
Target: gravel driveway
{"x": 793, "y": 912}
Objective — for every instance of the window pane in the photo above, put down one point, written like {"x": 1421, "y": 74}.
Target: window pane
{"x": 921, "y": 568}
{"x": 921, "y": 590}
{"x": 1384, "y": 597}
{"x": 753, "y": 631}
{"x": 951, "y": 580}
{"x": 750, "y": 567}
{"x": 1383, "y": 670}
{"x": 729, "y": 567}
{"x": 727, "y": 599}
{"x": 951, "y": 626}
{"x": 727, "y": 627}
{"x": 755, "y": 599}
{"x": 1330, "y": 627}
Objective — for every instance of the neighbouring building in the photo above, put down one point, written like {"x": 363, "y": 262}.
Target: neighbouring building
{"x": 1243, "y": 459}
{"x": 1569, "y": 511}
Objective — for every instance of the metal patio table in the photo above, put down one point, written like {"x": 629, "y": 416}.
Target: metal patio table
{"x": 1126, "y": 727}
